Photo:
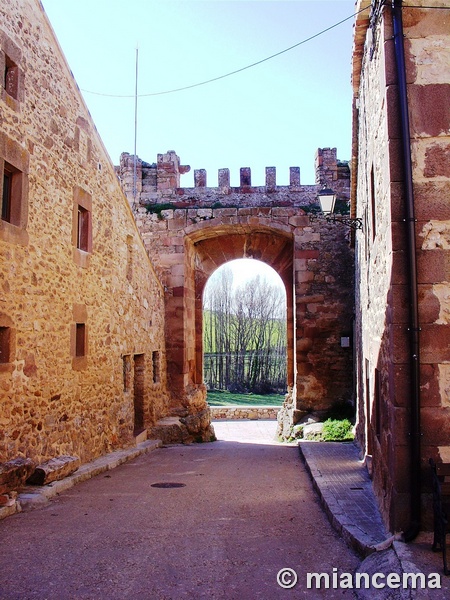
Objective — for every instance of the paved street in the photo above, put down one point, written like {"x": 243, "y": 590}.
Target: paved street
{"x": 246, "y": 510}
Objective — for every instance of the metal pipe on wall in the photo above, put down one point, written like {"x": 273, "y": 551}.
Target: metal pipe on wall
{"x": 415, "y": 432}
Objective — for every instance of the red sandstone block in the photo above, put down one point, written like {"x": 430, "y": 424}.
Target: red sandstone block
{"x": 395, "y": 160}
{"x": 398, "y": 231}
{"x": 299, "y": 253}
{"x": 392, "y": 111}
{"x": 399, "y": 303}
{"x": 281, "y": 211}
{"x": 390, "y": 62}
{"x": 433, "y": 266}
{"x": 399, "y": 269}
{"x": 430, "y": 110}
{"x": 400, "y": 339}
{"x": 431, "y": 199}
{"x": 437, "y": 158}
{"x": 244, "y": 212}
{"x": 299, "y": 221}
{"x": 429, "y": 305}
{"x": 312, "y": 299}
{"x": 264, "y": 211}
{"x": 429, "y": 386}
{"x": 178, "y": 291}
{"x": 400, "y": 472}
{"x": 435, "y": 426}
{"x": 435, "y": 343}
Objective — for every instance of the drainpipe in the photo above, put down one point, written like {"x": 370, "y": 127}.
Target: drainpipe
{"x": 415, "y": 455}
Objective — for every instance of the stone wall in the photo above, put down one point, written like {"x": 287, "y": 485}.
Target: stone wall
{"x": 190, "y": 232}
{"x": 382, "y": 298}
{"x": 80, "y": 302}
{"x": 235, "y": 413}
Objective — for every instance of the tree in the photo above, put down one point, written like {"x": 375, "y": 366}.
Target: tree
{"x": 244, "y": 335}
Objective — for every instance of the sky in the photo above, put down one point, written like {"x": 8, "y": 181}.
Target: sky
{"x": 275, "y": 114}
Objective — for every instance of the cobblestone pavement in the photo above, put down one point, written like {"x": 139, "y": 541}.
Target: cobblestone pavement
{"x": 247, "y": 510}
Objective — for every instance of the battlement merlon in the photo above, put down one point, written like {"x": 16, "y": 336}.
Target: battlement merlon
{"x": 160, "y": 181}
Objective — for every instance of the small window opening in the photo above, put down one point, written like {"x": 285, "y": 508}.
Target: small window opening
{"x": 11, "y": 195}
{"x": 5, "y": 345}
{"x": 6, "y": 197}
{"x": 156, "y": 367}
{"x": 80, "y": 341}
{"x": 83, "y": 229}
{"x": 11, "y": 78}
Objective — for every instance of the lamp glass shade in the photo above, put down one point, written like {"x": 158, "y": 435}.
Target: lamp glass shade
{"x": 327, "y": 198}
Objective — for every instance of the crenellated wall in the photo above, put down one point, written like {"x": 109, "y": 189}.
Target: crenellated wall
{"x": 190, "y": 232}
{"x": 159, "y": 183}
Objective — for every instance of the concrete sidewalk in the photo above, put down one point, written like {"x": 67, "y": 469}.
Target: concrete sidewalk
{"x": 345, "y": 490}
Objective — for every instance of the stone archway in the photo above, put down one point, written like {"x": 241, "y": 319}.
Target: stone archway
{"x": 189, "y": 232}
{"x": 319, "y": 305}
{"x": 215, "y": 247}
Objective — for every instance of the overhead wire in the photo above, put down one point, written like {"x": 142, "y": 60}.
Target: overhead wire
{"x": 219, "y": 77}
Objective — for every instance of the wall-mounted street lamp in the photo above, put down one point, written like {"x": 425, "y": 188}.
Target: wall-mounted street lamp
{"x": 327, "y": 201}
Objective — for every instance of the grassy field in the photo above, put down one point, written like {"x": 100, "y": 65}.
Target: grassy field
{"x": 229, "y": 399}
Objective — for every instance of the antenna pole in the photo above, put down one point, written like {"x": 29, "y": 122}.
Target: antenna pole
{"x": 135, "y": 129}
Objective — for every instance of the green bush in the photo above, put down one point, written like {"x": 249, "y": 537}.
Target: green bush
{"x": 337, "y": 431}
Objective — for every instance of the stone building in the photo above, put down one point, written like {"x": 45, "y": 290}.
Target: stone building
{"x": 401, "y": 190}
{"x": 100, "y": 304}
{"x": 82, "y": 346}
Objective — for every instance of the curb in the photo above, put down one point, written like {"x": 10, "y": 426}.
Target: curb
{"x": 36, "y": 496}
{"x": 353, "y": 534}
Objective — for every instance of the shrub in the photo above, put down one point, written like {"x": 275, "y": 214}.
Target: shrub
{"x": 337, "y": 431}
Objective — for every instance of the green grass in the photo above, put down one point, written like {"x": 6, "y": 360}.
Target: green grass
{"x": 230, "y": 399}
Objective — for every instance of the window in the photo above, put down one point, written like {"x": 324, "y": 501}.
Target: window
{"x": 11, "y": 73}
{"x": 11, "y": 78}
{"x": 11, "y": 195}
{"x": 14, "y": 165}
{"x": 79, "y": 337}
{"x": 82, "y": 227}
{"x": 6, "y": 196}
{"x": 155, "y": 361}
{"x": 83, "y": 224}
{"x": 80, "y": 340}
{"x": 5, "y": 345}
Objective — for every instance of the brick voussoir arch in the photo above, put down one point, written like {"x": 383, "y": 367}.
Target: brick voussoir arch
{"x": 248, "y": 220}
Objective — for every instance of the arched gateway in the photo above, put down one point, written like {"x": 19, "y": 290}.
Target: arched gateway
{"x": 189, "y": 232}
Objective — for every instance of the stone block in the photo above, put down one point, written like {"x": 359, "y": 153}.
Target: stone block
{"x": 430, "y": 109}
{"x": 14, "y": 473}
{"x": 429, "y": 306}
{"x": 431, "y": 199}
{"x": 437, "y": 158}
{"x": 430, "y": 385}
{"x": 54, "y": 470}
{"x": 435, "y": 344}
